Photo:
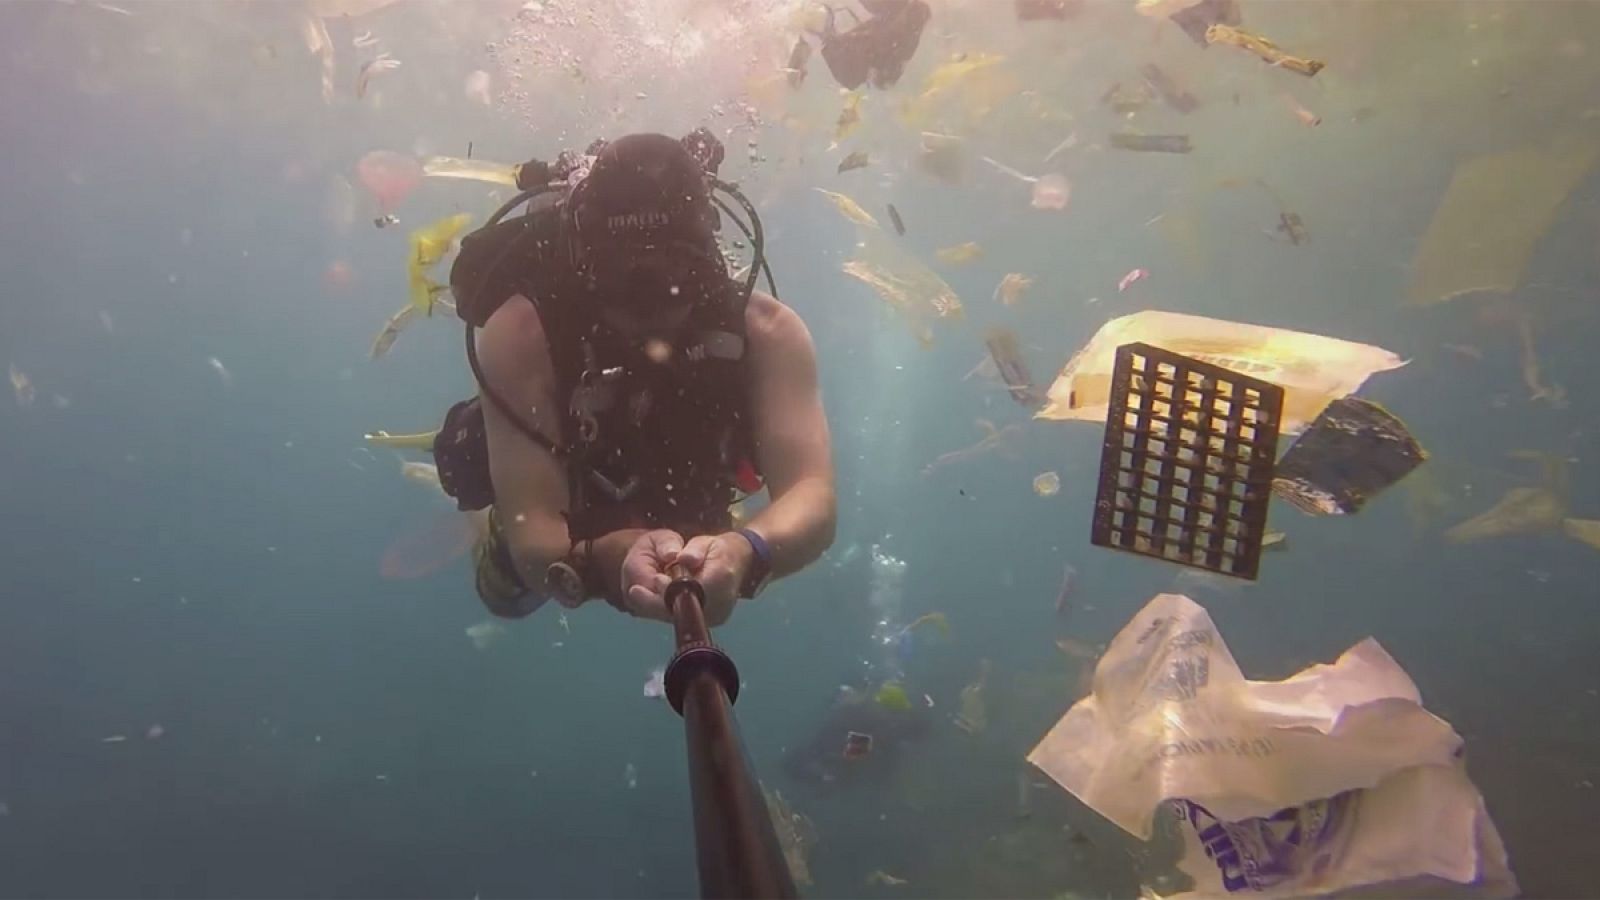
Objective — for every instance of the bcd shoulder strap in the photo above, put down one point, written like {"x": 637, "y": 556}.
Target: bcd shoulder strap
{"x": 482, "y": 279}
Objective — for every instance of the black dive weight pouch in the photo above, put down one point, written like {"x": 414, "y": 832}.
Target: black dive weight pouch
{"x": 461, "y": 452}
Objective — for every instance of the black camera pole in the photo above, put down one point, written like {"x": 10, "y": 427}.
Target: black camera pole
{"x": 735, "y": 842}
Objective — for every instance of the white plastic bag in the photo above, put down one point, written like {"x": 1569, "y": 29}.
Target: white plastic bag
{"x": 1331, "y": 780}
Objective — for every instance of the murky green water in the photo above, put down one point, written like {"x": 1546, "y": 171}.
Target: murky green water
{"x": 193, "y": 528}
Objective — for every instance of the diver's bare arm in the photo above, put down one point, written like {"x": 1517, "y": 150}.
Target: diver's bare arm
{"x": 791, "y": 432}
{"x": 530, "y": 483}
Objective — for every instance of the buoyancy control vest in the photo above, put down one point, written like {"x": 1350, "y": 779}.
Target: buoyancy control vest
{"x": 650, "y": 439}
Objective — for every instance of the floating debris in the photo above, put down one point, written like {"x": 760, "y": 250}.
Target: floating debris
{"x": 910, "y": 288}
{"x": 799, "y": 59}
{"x": 1194, "y": 18}
{"x": 857, "y": 745}
{"x": 154, "y": 732}
{"x": 1006, "y": 351}
{"x": 114, "y": 739}
{"x": 476, "y": 89}
{"x": 389, "y": 177}
{"x": 1521, "y": 510}
{"x": 1171, "y": 93}
{"x": 443, "y": 539}
{"x": 1050, "y": 191}
{"x": 320, "y": 46}
{"x": 849, "y": 117}
{"x": 1313, "y": 370}
{"x": 425, "y": 474}
{"x": 655, "y": 687}
{"x": 943, "y": 156}
{"x": 470, "y": 169}
{"x": 1011, "y": 288}
{"x": 961, "y": 254}
{"x": 1482, "y": 234}
{"x": 1151, "y": 143}
{"x": 21, "y": 387}
{"x": 857, "y": 160}
{"x": 391, "y": 330}
{"x": 221, "y": 370}
{"x": 1354, "y": 451}
{"x": 1530, "y": 510}
{"x": 1289, "y": 225}
{"x": 1306, "y": 116}
{"x": 1047, "y": 484}
{"x": 1556, "y": 395}
{"x": 1127, "y": 99}
{"x": 892, "y": 696}
{"x": 338, "y": 275}
{"x": 995, "y": 440}
{"x": 880, "y": 877}
{"x": 372, "y": 68}
{"x": 1275, "y": 540}
{"x": 972, "y": 715}
{"x": 896, "y": 221}
{"x": 849, "y": 208}
{"x": 630, "y": 776}
{"x": 1066, "y": 144}
{"x": 1078, "y": 649}
{"x": 429, "y": 245}
{"x": 1133, "y": 277}
{"x": 484, "y": 634}
{"x": 1585, "y": 530}
{"x": 1069, "y": 586}
{"x": 1260, "y": 46}
{"x": 961, "y": 93}
{"x": 422, "y": 440}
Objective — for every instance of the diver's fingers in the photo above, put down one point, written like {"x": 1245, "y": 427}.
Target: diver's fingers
{"x": 647, "y": 604}
{"x": 666, "y": 544}
{"x": 694, "y": 552}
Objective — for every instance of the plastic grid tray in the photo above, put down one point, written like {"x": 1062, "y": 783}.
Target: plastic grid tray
{"x": 1187, "y": 463}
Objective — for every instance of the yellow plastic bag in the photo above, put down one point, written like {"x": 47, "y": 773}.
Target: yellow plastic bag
{"x": 1313, "y": 370}
{"x": 1493, "y": 214}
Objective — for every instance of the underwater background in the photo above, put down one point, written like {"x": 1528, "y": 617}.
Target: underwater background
{"x": 192, "y": 527}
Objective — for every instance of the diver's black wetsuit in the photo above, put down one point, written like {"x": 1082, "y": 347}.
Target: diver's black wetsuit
{"x": 877, "y": 49}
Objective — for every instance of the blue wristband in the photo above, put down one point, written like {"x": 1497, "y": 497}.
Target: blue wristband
{"x": 756, "y": 578}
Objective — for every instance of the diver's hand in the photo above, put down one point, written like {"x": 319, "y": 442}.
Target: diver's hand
{"x": 644, "y": 573}
{"x": 719, "y": 563}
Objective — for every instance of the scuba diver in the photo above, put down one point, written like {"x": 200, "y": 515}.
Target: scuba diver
{"x": 876, "y": 49}
{"x": 630, "y": 391}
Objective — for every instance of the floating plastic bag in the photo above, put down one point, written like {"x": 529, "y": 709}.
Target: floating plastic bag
{"x": 470, "y": 169}
{"x": 390, "y": 177}
{"x": 1333, "y": 779}
{"x": 1492, "y": 216}
{"x": 1313, "y": 370}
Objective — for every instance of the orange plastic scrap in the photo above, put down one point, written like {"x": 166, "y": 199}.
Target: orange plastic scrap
{"x": 1264, "y": 48}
